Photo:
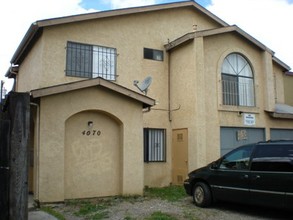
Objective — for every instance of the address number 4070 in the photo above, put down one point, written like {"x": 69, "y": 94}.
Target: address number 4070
{"x": 93, "y": 132}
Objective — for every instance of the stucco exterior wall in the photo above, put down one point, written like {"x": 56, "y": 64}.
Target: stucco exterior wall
{"x": 183, "y": 88}
{"x": 196, "y": 85}
{"x": 129, "y": 35}
{"x": 186, "y": 85}
{"x": 279, "y": 84}
{"x": 55, "y": 110}
{"x": 31, "y": 69}
{"x": 288, "y": 82}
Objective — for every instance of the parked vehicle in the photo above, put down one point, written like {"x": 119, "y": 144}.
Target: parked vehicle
{"x": 258, "y": 174}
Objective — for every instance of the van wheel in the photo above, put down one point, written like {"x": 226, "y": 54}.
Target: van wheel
{"x": 202, "y": 195}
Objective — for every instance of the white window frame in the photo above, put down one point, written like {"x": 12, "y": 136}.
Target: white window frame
{"x": 237, "y": 81}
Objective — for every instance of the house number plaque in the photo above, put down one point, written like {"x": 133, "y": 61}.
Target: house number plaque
{"x": 91, "y": 133}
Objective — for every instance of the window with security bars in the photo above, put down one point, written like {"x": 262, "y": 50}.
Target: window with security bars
{"x": 237, "y": 81}
{"x": 90, "y": 61}
{"x": 154, "y": 145}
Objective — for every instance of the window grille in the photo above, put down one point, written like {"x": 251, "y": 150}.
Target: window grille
{"x": 154, "y": 145}
{"x": 90, "y": 61}
{"x": 237, "y": 81}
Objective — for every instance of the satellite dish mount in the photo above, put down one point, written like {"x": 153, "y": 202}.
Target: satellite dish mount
{"x": 144, "y": 85}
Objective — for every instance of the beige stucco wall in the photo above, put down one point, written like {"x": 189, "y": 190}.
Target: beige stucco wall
{"x": 31, "y": 69}
{"x": 195, "y": 87}
{"x": 55, "y": 110}
{"x": 93, "y": 155}
{"x": 129, "y": 34}
{"x": 288, "y": 82}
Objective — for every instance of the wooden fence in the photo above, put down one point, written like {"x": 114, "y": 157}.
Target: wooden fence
{"x": 14, "y": 139}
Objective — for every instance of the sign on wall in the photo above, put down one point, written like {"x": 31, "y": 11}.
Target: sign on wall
{"x": 249, "y": 119}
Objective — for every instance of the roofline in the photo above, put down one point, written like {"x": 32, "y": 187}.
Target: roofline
{"x": 127, "y": 11}
{"x": 288, "y": 73}
{"x": 36, "y": 28}
{"x": 205, "y": 33}
{"x": 25, "y": 44}
{"x": 233, "y": 28}
{"x": 282, "y": 64}
{"x": 67, "y": 87}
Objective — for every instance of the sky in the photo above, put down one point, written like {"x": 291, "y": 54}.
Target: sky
{"x": 269, "y": 21}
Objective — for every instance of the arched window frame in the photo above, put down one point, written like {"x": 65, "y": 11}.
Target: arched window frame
{"x": 237, "y": 81}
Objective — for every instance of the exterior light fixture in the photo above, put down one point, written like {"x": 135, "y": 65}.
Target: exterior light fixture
{"x": 90, "y": 124}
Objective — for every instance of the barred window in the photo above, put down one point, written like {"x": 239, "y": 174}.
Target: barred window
{"x": 154, "y": 145}
{"x": 237, "y": 81}
{"x": 90, "y": 61}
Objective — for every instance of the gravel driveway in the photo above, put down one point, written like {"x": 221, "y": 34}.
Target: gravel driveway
{"x": 141, "y": 208}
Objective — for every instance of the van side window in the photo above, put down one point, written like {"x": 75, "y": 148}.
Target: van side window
{"x": 237, "y": 159}
{"x": 277, "y": 158}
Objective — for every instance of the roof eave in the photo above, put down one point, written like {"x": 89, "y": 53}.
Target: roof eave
{"x": 281, "y": 115}
{"x": 25, "y": 44}
{"x": 36, "y": 28}
{"x": 127, "y": 11}
{"x": 210, "y": 32}
{"x": 282, "y": 64}
{"x": 12, "y": 71}
{"x": 67, "y": 87}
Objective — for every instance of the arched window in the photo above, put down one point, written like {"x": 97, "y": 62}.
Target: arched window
{"x": 237, "y": 81}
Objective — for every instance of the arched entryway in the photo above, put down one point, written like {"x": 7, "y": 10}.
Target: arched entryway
{"x": 93, "y": 155}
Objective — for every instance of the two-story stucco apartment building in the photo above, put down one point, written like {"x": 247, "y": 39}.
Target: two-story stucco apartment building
{"x": 94, "y": 133}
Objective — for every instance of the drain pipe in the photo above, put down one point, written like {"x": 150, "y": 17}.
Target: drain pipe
{"x": 169, "y": 87}
{"x": 37, "y": 159}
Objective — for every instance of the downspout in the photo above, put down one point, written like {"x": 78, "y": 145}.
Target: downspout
{"x": 169, "y": 86}
{"x": 36, "y": 178}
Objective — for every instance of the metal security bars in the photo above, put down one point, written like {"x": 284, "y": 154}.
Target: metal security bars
{"x": 237, "y": 81}
{"x": 90, "y": 61}
{"x": 154, "y": 145}
{"x": 238, "y": 93}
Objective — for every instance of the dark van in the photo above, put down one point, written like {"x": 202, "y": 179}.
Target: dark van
{"x": 256, "y": 174}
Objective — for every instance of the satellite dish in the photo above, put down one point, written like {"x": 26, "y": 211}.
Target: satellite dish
{"x": 144, "y": 85}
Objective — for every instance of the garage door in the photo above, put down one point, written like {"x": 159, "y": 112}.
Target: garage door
{"x": 237, "y": 136}
{"x": 92, "y": 155}
{"x": 281, "y": 134}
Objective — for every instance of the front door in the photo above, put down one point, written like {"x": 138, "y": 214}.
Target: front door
{"x": 179, "y": 155}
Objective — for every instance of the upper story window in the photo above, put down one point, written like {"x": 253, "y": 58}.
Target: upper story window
{"x": 153, "y": 54}
{"x": 90, "y": 61}
{"x": 237, "y": 81}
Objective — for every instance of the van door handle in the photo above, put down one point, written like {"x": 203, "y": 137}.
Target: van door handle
{"x": 256, "y": 177}
{"x": 245, "y": 176}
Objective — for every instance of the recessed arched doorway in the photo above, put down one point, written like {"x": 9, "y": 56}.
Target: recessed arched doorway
{"x": 93, "y": 155}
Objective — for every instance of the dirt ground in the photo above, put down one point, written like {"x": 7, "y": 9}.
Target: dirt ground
{"x": 142, "y": 208}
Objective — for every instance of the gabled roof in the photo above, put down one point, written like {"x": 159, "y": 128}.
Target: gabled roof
{"x": 36, "y": 28}
{"x": 190, "y": 36}
{"x": 67, "y": 87}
